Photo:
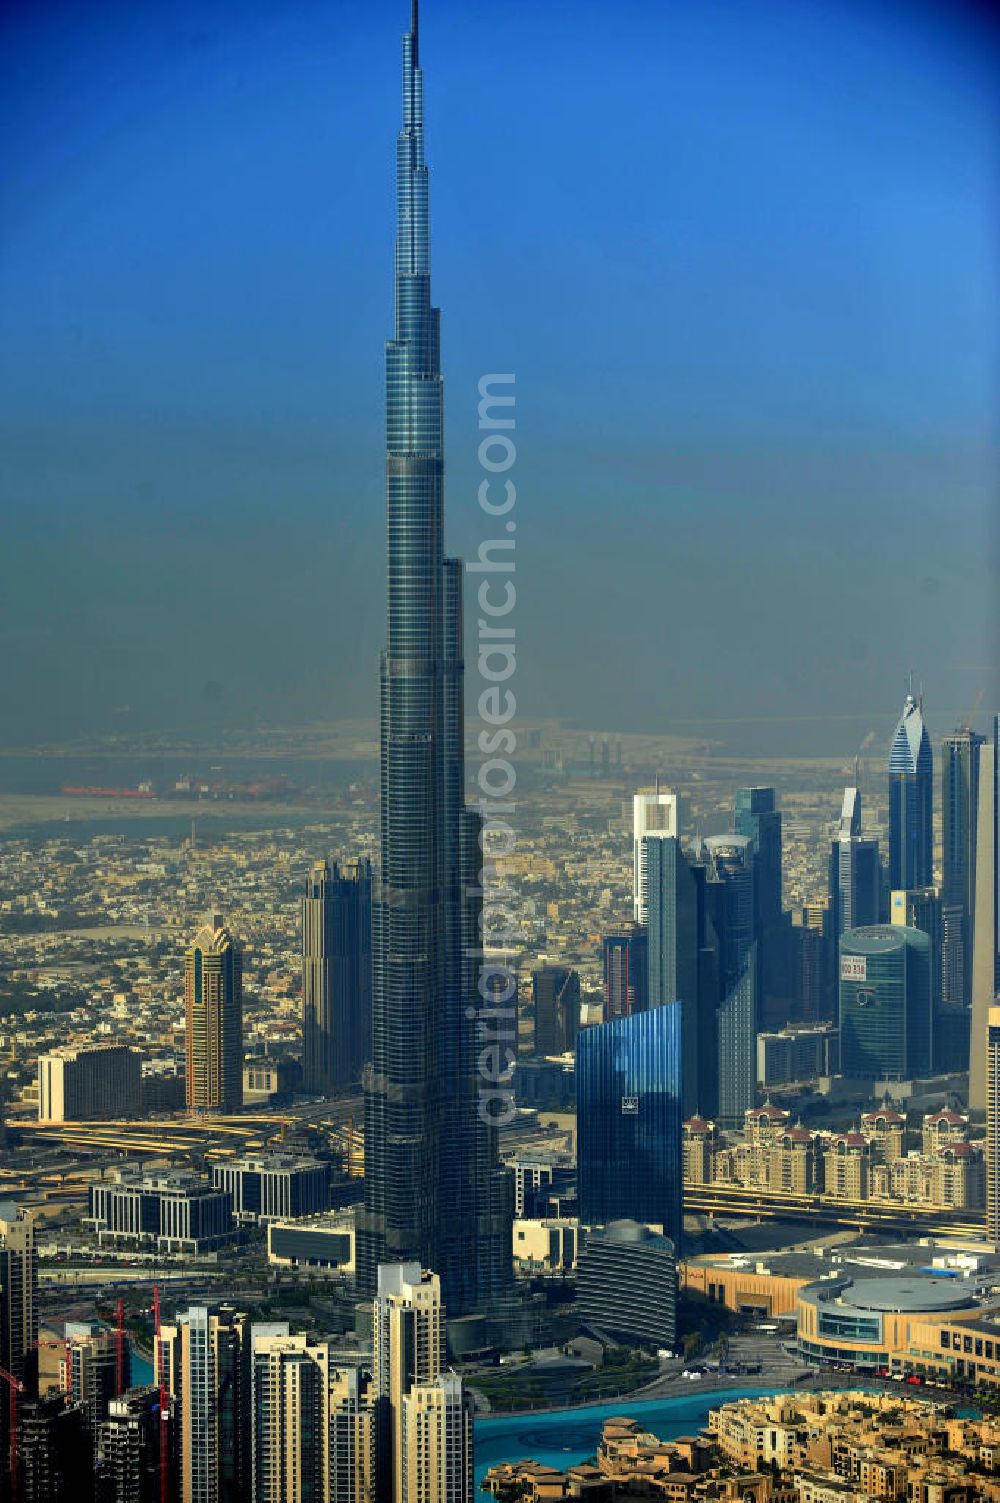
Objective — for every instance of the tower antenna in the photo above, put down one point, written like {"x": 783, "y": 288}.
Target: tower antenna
{"x": 415, "y": 29}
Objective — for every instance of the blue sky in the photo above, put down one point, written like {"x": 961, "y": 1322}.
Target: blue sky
{"x": 741, "y": 255}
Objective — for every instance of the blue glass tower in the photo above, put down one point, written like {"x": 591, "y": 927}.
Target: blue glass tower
{"x": 886, "y": 1013}
{"x": 433, "y": 1190}
{"x": 911, "y": 800}
{"x": 628, "y": 1105}
{"x": 756, "y": 817}
{"x": 730, "y": 895}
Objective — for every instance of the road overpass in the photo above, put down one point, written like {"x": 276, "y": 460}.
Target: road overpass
{"x": 724, "y": 1202}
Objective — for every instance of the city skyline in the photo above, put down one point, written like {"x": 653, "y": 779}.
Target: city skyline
{"x": 356, "y": 1091}
{"x": 796, "y": 355}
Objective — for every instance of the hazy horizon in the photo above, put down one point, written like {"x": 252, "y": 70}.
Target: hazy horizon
{"x": 741, "y": 259}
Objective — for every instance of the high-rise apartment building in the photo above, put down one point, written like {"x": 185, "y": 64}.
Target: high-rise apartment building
{"x": 205, "y": 1360}
{"x": 213, "y": 1003}
{"x": 89, "y": 1369}
{"x": 961, "y": 756}
{"x": 56, "y": 1461}
{"x": 18, "y": 1293}
{"x": 434, "y": 1191}
{"x": 855, "y": 871}
{"x": 423, "y": 1417}
{"x": 911, "y": 801}
{"x": 628, "y": 1105}
{"x": 336, "y": 975}
{"x": 985, "y": 915}
{"x": 351, "y": 1436}
{"x": 556, "y": 994}
{"x": 683, "y": 965}
{"x": 290, "y": 1421}
{"x": 624, "y": 963}
{"x": 84, "y": 1084}
{"x": 128, "y": 1449}
{"x": 991, "y": 1051}
{"x": 654, "y": 812}
{"x": 886, "y": 1017}
{"x": 729, "y": 894}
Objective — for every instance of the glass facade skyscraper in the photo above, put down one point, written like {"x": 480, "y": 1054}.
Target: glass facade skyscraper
{"x": 886, "y": 1016}
{"x": 756, "y": 817}
{"x": 961, "y": 755}
{"x": 684, "y": 965}
{"x": 434, "y": 1192}
{"x": 628, "y": 1104}
{"x": 336, "y": 975}
{"x": 911, "y": 800}
{"x": 730, "y": 897}
{"x": 855, "y": 871}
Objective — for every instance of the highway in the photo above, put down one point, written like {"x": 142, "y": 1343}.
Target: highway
{"x": 861, "y": 1216}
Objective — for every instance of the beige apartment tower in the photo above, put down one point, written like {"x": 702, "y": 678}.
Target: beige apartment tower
{"x": 204, "y": 1362}
{"x": 18, "y": 1291}
{"x": 423, "y": 1418}
{"x": 213, "y": 1001}
{"x": 289, "y": 1410}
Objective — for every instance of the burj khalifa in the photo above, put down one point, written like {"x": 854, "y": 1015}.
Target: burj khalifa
{"x": 434, "y": 1191}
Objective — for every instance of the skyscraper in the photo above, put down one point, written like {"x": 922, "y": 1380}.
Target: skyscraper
{"x": 128, "y": 1448}
{"x": 434, "y": 1192}
{"x": 985, "y": 917}
{"x": 654, "y": 812}
{"x": 756, "y": 817}
{"x": 89, "y": 1370}
{"x": 885, "y": 1002}
{"x": 624, "y": 962}
{"x": 556, "y": 992}
{"x": 18, "y": 1292}
{"x": 213, "y": 1002}
{"x": 960, "y": 777}
{"x": 683, "y": 965}
{"x": 289, "y": 1417}
{"x": 730, "y": 901}
{"x": 628, "y": 1112}
{"x": 991, "y": 1052}
{"x": 855, "y": 871}
{"x": 423, "y": 1423}
{"x": 336, "y": 975}
{"x": 911, "y": 800}
{"x": 205, "y": 1361}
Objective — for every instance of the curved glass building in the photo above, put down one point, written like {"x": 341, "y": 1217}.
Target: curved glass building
{"x": 433, "y": 1191}
{"x": 886, "y": 1009}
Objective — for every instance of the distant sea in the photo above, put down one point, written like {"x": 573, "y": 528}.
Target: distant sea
{"x": 45, "y": 774}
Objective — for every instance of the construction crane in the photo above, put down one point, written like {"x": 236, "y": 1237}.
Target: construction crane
{"x": 16, "y": 1386}
{"x": 164, "y": 1401}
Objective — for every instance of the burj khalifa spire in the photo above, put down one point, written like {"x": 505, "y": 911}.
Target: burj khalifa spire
{"x": 433, "y": 1190}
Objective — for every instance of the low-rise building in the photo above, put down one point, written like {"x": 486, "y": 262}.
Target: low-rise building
{"x": 321, "y": 1242}
{"x": 173, "y": 1213}
{"x": 271, "y": 1186}
{"x": 549, "y": 1244}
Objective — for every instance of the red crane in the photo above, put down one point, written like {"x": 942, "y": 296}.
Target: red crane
{"x": 16, "y": 1386}
{"x": 164, "y": 1401}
